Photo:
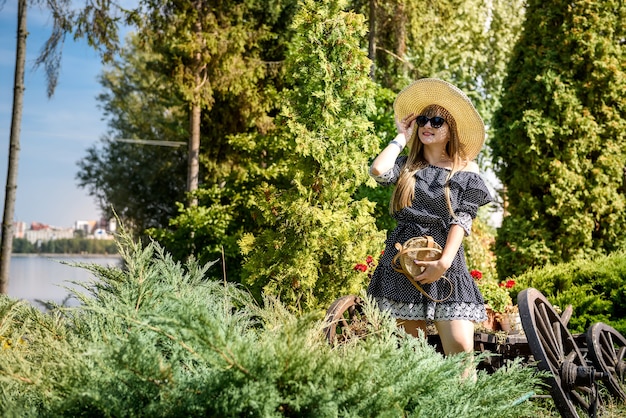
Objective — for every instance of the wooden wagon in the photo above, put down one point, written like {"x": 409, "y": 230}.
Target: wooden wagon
{"x": 576, "y": 364}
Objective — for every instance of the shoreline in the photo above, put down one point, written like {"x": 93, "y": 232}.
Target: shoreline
{"x": 65, "y": 255}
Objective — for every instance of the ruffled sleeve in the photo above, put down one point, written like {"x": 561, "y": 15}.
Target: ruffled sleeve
{"x": 474, "y": 194}
{"x": 393, "y": 174}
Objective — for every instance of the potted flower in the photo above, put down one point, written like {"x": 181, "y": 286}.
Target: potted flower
{"x": 496, "y": 294}
{"x": 497, "y": 298}
{"x": 510, "y": 320}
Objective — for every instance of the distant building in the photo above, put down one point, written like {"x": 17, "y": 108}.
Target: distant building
{"x": 112, "y": 225}
{"x": 87, "y": 227}
{"x": 39, "y": 232}
{"x": 47, "y": 234}
{"x": 19, "y": 229}
{"x": 38, "y": 226}
{"x": 101, "y": 229}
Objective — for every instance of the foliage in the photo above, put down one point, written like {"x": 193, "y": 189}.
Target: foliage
{"x": 156, "y": 339}
{"x": 468, "y": 42}
{"x": 560, "y": 152}
{"x": 144, "y": 183}
{"x": 476, "y": 36}
{"x": 385, "y": 130}
{"x": 22, "y": 245}
{"x": 138, "y": 182}
{"x": 66, "y": 246}
{"x": 595, "y": 287}
{"x": 233, "y": 165}
{"x": 314, "y": 231}
{"x": 209, "y": 231}
{"x": 482, "y": 262}
{"x": 496, "y": 295}
{"x": 479, "y": 245}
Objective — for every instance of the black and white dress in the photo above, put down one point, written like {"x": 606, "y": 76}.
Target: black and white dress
{"x": 429, "y": 215}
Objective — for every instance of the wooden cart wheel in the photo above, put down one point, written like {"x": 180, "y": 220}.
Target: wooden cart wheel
{"x": 607, "y": 349}
{"x": 345, "y": 319}
{"x": 571, "y": 380}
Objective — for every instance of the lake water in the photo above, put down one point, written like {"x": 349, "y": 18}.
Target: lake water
{"x": 43, "y": 278}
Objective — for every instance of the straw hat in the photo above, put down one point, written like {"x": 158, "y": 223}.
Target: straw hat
{"x": 429, "y": 91}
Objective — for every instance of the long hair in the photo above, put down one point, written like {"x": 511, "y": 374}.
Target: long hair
{"x": 404, "y": 191}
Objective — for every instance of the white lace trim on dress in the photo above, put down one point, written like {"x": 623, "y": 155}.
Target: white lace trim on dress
{"x": 384, "y": 178}
{"x": 433, "y": 311}
{"x": 464, "y": 220}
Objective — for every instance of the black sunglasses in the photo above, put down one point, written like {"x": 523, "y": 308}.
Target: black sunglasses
{"x": 436, "y": 121}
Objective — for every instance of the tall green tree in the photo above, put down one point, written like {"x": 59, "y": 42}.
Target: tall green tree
{"x": 202, "y": 45}
{"x": 142, "y": 102}
{"x": 232, "y": 170}
{"x": 315, "y": 231}
{"x": 139, "y": 182}
{"x": 560, "y": 144}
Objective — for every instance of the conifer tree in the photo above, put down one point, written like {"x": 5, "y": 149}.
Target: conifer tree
{"x": 315, "y": 231}
{"x": 560, "y": 145}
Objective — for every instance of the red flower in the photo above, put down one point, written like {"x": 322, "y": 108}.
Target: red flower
{"x": 508, "y": 284}
{"x": 369, "y": 260}
{"x": 476, "y": 274}
{"x": 360, "y": 267}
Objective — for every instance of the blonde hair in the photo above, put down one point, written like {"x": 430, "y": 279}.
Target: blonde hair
{"x": 404, "y": 191}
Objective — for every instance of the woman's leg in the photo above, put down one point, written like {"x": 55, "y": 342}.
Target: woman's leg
{"x": 457, "y": 336}
{"x": 412, "y": 326}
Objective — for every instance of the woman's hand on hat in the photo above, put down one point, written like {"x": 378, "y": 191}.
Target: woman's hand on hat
{"x": 406, "y": 125}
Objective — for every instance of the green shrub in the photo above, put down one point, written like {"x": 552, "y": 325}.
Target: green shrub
{"x": 156, "y": 339}
{"x": 478, "y": 246}
{"x": 312, "y": 232}
{"x": 596, "y": 289}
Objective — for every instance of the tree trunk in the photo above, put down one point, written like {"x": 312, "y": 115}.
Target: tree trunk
{"x": 193, "y": 163}
{"x": 401, "y": 22}
{"x": 194, "y": 152}
{"x": 14, "y": 149}
{"x": 372, "y": 39}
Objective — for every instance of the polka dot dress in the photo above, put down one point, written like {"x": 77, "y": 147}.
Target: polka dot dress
{"x": 429, "y": 215}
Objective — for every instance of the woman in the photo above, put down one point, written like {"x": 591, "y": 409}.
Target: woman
{"x": 438, "y": 192}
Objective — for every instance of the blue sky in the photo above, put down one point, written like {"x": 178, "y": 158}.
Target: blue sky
{"x": 56, "y": 132}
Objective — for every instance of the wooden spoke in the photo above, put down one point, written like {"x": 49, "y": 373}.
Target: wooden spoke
{"x": 583, "y": 401}
{"x": 345, "y": 319}
{"x": 607, "y": 351}
{"x": 553, "y": 346}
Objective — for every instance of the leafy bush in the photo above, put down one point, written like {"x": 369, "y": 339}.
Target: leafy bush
{"x": 478, "y": 246}
{"x": 311, "y": 230}
{"x": 596, "y": 289}
{"x": 156, "y": 339}
{"x": 496, "y": 296}
{"x": 558, "y": 145}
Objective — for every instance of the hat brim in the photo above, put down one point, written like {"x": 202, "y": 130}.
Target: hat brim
{"x": 429, "y": 91}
